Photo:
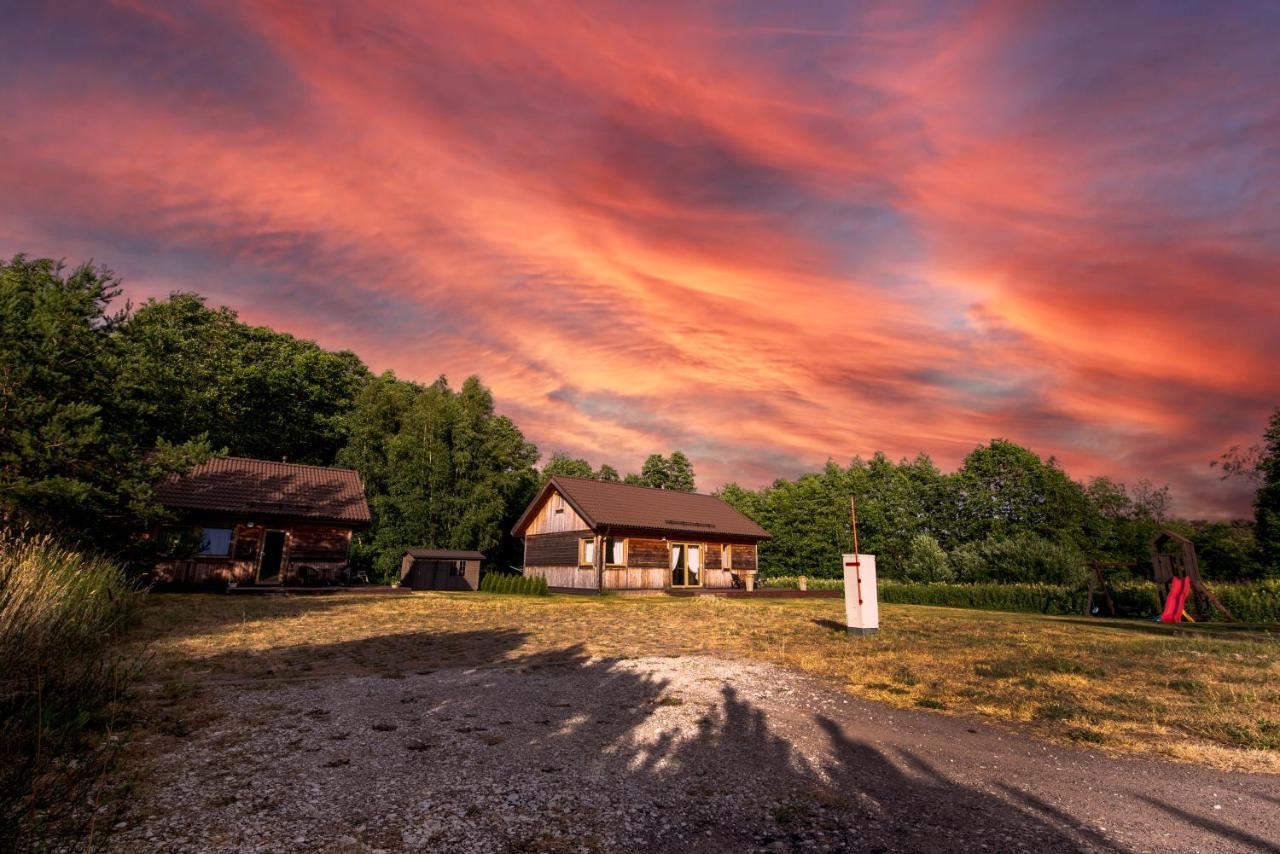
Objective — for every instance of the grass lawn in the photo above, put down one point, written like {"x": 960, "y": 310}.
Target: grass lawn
{"x": 1208, "y": 693}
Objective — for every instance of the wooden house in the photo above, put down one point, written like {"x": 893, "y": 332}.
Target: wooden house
{"x": 440, "y": 569}
{"x": 262, "y": 522}
{"x": 589, "y": 535}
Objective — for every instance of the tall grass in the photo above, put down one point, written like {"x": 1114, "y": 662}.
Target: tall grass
{"x": 60, "y": 683}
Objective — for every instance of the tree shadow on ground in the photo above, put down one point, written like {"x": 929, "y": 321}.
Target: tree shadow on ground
{"x": 1217, "y": 828}
{"x": 434, "y": 740}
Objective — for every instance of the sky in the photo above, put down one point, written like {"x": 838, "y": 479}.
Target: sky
{"x": 765, "y": 233}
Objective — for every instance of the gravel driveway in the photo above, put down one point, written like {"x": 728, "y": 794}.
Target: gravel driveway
{"x": 563, "y": 752}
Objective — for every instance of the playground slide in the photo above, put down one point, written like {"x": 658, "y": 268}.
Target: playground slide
{"x": 1179, "y": 590}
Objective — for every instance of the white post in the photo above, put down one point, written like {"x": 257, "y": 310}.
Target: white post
{"x": 862, "y": 613}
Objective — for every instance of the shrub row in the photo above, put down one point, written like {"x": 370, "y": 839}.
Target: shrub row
{"x": 1250, "y": 602}
{"x": 519, "y": 584}
{"x": 60, "y": 611}
{"x": 792, "y": 582}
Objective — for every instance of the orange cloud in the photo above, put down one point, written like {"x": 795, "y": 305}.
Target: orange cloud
{"x": 766, "y": 236}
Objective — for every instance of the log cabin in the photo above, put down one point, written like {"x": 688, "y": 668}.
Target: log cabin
{"x": 587, "y": 535}
{"x": 262, "y": 523}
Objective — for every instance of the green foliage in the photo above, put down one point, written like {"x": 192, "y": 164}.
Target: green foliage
{"x": 1031, "y": 598}
{"x": 71, "y": 461}
{"x": 442, "y": 470}
{"x": 1023, "y": 558}
{"x": 60, "y": 610}
{"x": 188, "y": 371}
{"x": 926, "y": 561}
{"x": 1266, "y": 503}
{"x": 1251, "y": 603}
{"x": 792, "y": 582}
{"x": 1003, "y": 489}
{"x": 674, "y": 473}
{"x": 1248, "y": 602}
{"x": 566, "y": 466}
{"x": 521, "y": 585}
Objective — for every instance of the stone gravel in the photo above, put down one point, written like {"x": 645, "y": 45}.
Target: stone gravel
{"x": 688, "y": 753}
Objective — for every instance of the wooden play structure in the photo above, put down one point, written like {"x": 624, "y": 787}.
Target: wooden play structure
{"x": 1177, "y": 576}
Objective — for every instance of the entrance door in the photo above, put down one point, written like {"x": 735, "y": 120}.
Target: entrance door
{"x": 272, "y": 557}
{"x": 686, "y": 565}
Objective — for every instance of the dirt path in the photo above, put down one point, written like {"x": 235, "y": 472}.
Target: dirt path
{"x": 564, "y": 752}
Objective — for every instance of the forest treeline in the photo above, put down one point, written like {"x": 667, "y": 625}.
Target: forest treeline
{"x": 99, "y": 400}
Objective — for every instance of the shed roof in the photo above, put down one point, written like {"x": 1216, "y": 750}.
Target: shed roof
{"x": 622, "y": 505}
{"x": 444, "y": 554}
{"x": 269, "y": 489}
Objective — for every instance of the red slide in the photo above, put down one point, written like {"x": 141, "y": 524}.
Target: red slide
{"x": 1179, "y": 590}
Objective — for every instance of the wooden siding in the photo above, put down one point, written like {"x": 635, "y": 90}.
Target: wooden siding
{"x": 744, "y": 556}
{"x": 636, "y": 579}
{"x": 648, "y": 564}
{"x": 421, "y": 573}
{"x": 564, "y": 576}
{"x": 648, "y": 554}
{"x": 548, "y": 521}
{"x": 552, "y": 549}
{"x": 324, "y": 548}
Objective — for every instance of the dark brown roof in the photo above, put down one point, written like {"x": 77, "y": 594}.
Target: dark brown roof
{"x": 268, "y": 489}
{"x": 621, "y": 505}
{"x": 444, "y": 554}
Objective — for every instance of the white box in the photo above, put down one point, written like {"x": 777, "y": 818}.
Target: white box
{"x": 862, "y": 613}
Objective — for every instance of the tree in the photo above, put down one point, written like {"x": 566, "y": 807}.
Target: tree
{"x": 1266, "y": 502}
{"x": 674, "y": 473}
{"x": 680, "y": 476}
{"x": 71, "y": 462}
{"x": 566, "y": 466}
{"x": 608, "y": 473}
{"x": 1003, "y": 489}
{"x": 189, "y": 371}
{"x": 441, "y": 468}
{"x": 926, "y": 561}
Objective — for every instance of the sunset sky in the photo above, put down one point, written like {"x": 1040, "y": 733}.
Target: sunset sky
{"x": 764, "y": 233}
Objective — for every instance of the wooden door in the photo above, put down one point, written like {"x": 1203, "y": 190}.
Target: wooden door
{"x": 271, "y": 558}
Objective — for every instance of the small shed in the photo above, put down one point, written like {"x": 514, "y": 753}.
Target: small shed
{"x": 440, "y": 569}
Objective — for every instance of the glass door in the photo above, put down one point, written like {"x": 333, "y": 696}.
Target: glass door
{"x": 686, "y": 565}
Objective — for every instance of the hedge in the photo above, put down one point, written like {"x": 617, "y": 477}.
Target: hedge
{"x": 518, "y": 584}
{"x": 1249, "y": 603}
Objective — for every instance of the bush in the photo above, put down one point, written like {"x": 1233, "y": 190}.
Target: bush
{"x": 1025, "y": 559}
{"x": 522, "y": 585}
{"x": 60, "y": 611}
{"x": 1028, "y": 598}
{"x": 926, "y": 561}
{"x": 792, "y": 582}
{"x": 1251, "y": 603}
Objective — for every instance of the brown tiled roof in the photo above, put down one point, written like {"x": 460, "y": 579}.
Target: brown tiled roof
{"x": 444, "y": 554}
{"x": 267, "y": 489}
{"x": 621, "y": 505}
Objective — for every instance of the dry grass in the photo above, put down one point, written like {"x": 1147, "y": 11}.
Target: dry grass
{"x": 1208, "y": 694}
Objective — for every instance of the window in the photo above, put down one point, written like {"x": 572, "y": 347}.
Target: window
{"x": 557, "y": 503}
{"x": 615, "y": 551}
{"x": 458, "y": 569}
{"x": 726, "y": 557}
{"x": 215, "y": 542}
